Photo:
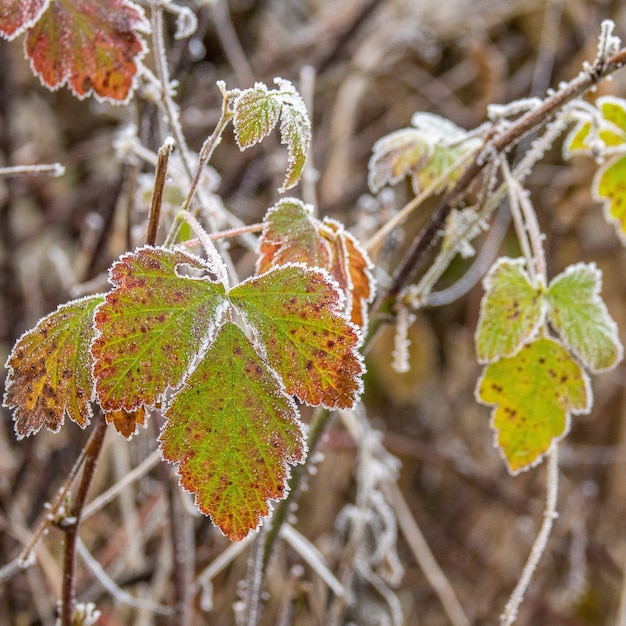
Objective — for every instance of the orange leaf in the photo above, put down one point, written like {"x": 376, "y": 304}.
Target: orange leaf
{"x": 92, "y": 45}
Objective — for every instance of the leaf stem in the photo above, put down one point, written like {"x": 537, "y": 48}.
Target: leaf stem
{"x": 71, "y": 522}
{"x": 208, "y": 147}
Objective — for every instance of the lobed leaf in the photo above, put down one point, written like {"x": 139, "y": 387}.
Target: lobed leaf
{"x": 351, "y": 268}
{"x": 609, "y": 187}
{"x": 511, "y": 311}
{"x": 256, "y": 112}
{"x": 296, "y": 314}
{"x": 50, "y": 370}
{"x": 18, "y": 15}
{"x": 581, "y": 317}
{"x": 533, "y": 393}
{"x": 94, "y": 46}
{"x": 234, "y": 432}
{"x": 151, "y": 325}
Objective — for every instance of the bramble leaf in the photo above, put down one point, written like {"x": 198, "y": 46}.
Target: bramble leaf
{"x": 151, "y": 325}
{"x": 534, "y": 393}
{"x": 296, "y": 314}
{"x": 609, "y": 187}
{"x": 17, "y": 15}
{"x": 234, "y": 432}
{"x": 293, "y": 235}
{"x": 94, "y": 46}
{"x": 581, "y": 317}
{"x": 511, "y": 311}
{"x": 423, "y": 152}
{"x": 351, "y": 268}
{"x": 395, "y": 156}
{"x": 50, "y": 370}
{"x": 256, "y": 112}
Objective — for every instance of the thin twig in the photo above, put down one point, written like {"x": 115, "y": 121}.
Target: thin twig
{"x": 71, "y": 522}
{"x": 51, "y": 169}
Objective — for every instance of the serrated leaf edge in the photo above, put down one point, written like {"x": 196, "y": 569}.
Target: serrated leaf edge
{"x": 612, "y": 327}
{"x": 555, "y": 440}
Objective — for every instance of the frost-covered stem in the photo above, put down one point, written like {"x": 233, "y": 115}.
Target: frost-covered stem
{"x": 534, "y": 232}
{"x": 518, "y": 220}
{"x": 424, "y": 556}
{"x": 320, "y": 421}
{"x": 157, "y": 193}
{"x": 254, "y": 583}
{"x": 549, "y": 515}
{"x": 208, "y": 147}
{"x": 205, "y": 154}
{"x": 71, "y": 522}
{"x": 50, "y": 169}
{"x": 497, "y": 144}
{"x": 163, "y": 75}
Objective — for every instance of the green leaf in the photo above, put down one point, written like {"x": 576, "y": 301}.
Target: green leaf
{"x": 582, "y": 319}
{"x": 609, "y": 187}
{"x": 534, "y": 393}
{"x": 256, "y": 112}
{"x": 95, "y": 46}
{"x": 609, "y": 132}
{"x": 151, "y": 326}
{"x": 296, "y": 314}
{"x": 511, "y": 311}
{"x": 234, "y": 432}
{"x": 50, "y": 370}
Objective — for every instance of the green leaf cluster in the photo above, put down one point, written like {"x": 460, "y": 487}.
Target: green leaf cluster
{"x": 526, "y": 367}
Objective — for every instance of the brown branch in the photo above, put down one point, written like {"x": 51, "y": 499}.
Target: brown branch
{"x": 71, "y": 522}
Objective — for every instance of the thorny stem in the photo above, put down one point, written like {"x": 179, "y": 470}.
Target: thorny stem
{"x": 71, "y": 522}
{"x": 499, "y": 143}
{"x": 552, "y": 488}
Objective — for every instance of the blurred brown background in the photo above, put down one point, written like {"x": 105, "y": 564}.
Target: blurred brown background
{"x": 374, "y": 63}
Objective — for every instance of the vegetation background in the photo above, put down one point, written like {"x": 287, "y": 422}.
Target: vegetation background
{"x": 375, "y": 63}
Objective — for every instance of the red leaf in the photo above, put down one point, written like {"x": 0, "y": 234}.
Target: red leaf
{"x": 18, "y": 15}
{"x": 92, "y": 45}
